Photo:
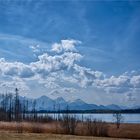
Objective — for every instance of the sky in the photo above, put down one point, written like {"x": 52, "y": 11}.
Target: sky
{"x": 80, "y": 49}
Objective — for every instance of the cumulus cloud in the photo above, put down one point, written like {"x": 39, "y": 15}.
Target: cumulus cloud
{"x": 86, "y": 76}
{"x": 135, "y": 81}
{"x": 16, "y": 69}
{"x": 61, "y": 67}
{"x": 48, "y": 64}
{"x": 44, "y": 66}
{"x": 15, "y": 83}
{"x": 121, "y": 84}
{"x": 35, "y": 48}
{"x": 114, "y": 81}
{"x": 65, "y": 45}
{"x": 50, "y": 81}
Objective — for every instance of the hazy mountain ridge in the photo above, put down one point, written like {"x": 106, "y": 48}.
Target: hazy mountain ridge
{"x": 46, "y": 103}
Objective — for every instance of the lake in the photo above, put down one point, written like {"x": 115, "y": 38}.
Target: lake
{"x": 127, "y": 118}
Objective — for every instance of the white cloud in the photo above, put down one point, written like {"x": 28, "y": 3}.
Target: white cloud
{"x": 69, "y": 90}
{"x": 43, "y": 68}
{"x": 65, "y": 45}
{"x": 122, "y": 84}
{"x": 135, "y": 81}
{"x": 50, "y": 81}
{"x": 16, "y": 69}
{"x": 64, "y": 91}
{"x": 57, "y": 47}
{"x": 35, "y": 48}
{"x": 60, "y": 69}
{"x": 86, "y": 76}
{"x": 48, "y": 64}
{"x": 114, "y": 81}
{"x": 14, "y": 83}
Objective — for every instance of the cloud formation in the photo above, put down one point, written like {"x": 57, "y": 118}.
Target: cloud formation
{"x": 47, "y": 64}
{"x": 60, "y": 69}
{"x": 15, "y": 69}
{"x": 120, "y": 84}
{"x": 16, "y": 82}
{"x": 65, "y": 46}
{"x": 85, "y": 76}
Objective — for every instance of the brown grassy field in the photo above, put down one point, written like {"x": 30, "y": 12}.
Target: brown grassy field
{"x": 131, "y": 131}
{"x": 125, "y": 131}
{"x": 33, "y": 136}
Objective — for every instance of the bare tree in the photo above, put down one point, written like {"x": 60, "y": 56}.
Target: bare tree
{"x": 17, "y": 106}
{"x": 34, "y": 111}
{"x": 118, "y": 119}
{"x": 10, "y": 111}
{"x": 23, "y": 109}
{"x": 54, "y": 107}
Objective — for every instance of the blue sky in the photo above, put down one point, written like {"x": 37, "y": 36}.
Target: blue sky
{"x": 101, "y": 39}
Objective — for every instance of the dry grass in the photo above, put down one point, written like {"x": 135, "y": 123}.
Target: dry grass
{"x": 33, "y": 136}
{"x": 28, "y": 127}
{"x": 125, "y": 131}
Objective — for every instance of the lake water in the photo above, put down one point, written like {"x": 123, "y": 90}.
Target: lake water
{"x": 127, "y": 118}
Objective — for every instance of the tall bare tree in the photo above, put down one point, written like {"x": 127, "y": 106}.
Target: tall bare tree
{"x": 118, "y": 119}
{"x": 17, "y": 106}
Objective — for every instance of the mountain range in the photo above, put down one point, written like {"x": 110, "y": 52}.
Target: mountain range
{"x": 46, "y": 103}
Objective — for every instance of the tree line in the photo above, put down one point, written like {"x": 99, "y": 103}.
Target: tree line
{"x": 12, "y": 108}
